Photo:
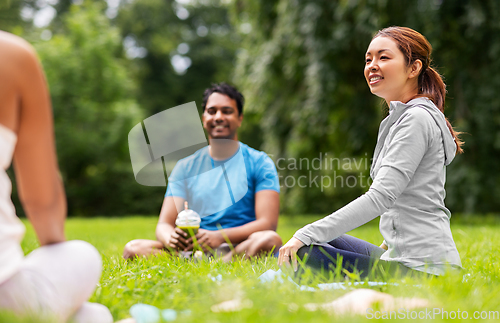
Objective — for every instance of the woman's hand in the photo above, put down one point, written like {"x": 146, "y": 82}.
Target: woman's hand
{"x": 289, "y": 251}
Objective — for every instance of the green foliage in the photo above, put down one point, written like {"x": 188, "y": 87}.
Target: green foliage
{"x": 170, "y": 282}
{"x": 98, "y": 94}
{"x": 10, "y": 19}
{"x": 94, "y": 108}
{"x": 301, "y": 71}
{"x": 299, "y": 64}
{"x": 467, "y": 51}
{"x": 155, "y": 25}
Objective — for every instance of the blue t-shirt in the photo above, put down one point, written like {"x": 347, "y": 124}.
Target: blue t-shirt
{"x": 223, "y": 192}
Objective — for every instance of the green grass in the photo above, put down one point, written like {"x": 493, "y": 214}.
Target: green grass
{"x": 170, "y": 282}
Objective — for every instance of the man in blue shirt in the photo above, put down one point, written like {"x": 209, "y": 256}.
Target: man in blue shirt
{"x": 233, "y": 187}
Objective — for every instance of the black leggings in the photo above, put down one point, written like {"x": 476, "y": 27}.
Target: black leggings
{"x": 357, "y": 256}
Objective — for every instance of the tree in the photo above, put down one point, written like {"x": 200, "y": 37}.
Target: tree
{"x": 99, "y": 94}
{"x": 94, "y": 108}
{"x": 185, "y": 49}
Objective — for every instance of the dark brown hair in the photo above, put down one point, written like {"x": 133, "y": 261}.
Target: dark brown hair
{"x": 228, "y": 90}
{"x": 415, "y": 46}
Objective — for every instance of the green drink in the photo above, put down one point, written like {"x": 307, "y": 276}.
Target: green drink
{"x": 188, "y": 221}
{"x": 191, "y": 230}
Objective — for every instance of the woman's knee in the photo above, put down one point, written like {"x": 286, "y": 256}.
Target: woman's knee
{"x": 74, "y": 253}
{"x": 84, "y": 248}
{"x": 303, "y": 252}
{"x": 88, "y": 256}
{"x": 316, "y": 256}
{"x": 71, "y": 269}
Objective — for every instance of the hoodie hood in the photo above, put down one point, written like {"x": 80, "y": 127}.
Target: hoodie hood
{"x": 450, "y": 146}
{"x": 397, "y": 108}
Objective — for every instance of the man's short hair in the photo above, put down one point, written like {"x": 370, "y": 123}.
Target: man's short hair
{"x": 228, "y": 90}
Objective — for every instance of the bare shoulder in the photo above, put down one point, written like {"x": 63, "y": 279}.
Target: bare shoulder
{"x": 19, "y": 67}
{"x": 16, "y": 44}
{"x": 16, "y": 51}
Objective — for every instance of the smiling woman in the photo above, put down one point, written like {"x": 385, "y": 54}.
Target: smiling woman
{"x": 387, "y": 73}
{"x": 421, "y": 78}
{"x": 415, "y": 142}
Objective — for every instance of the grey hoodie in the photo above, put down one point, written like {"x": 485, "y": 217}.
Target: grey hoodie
{"x": 408, "y": 170}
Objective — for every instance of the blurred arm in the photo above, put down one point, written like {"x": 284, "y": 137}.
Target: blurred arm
{"x": 40, "y": 186}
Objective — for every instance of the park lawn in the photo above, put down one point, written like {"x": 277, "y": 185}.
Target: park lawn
{"x": 191, "y": 287}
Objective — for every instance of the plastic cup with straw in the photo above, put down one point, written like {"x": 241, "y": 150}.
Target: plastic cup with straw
{"x": 188, "y": 221}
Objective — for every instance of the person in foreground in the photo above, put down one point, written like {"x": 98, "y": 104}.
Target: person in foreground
{"x": 415, "y": 143}
{"x": 54, "y": 281}
{"x": 248, "y": 224}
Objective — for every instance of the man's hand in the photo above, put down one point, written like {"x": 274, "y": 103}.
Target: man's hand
{"x": 289, "y": 252}
{"x": 208, "y": 240}
{"x": 178, "y": 240}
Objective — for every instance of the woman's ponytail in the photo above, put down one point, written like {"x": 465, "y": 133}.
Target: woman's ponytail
{"x": 431, "y": 85}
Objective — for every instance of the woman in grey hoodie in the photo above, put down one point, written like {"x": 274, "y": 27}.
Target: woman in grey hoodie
{"x": 415, "y": 143}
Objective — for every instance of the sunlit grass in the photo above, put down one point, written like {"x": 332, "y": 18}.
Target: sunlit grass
{"x": 191, "y": 287}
